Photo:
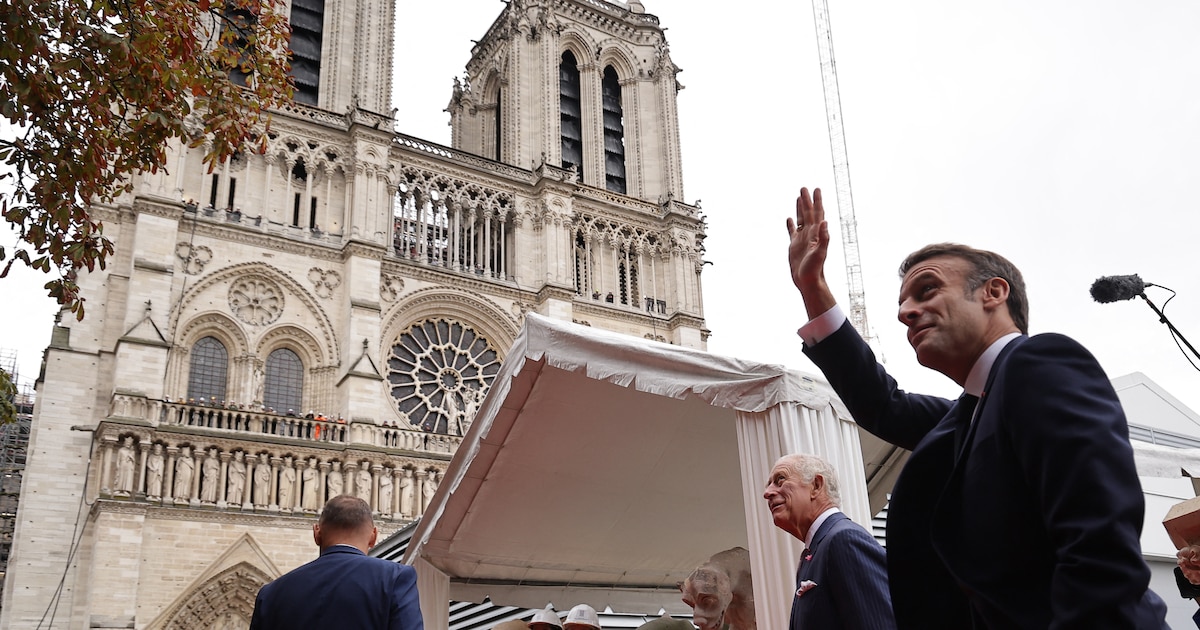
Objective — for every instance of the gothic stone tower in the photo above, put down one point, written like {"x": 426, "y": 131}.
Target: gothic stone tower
{"x": 324, "y": 317}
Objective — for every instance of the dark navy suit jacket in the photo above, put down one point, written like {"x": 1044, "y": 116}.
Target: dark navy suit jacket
{"x": 1036, "y": 522}
{"x": 850, "y": 573}
{"x": 344, "y": 589}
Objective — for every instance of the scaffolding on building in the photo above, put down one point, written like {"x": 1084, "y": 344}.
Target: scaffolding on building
{"x": 14, "y": 444}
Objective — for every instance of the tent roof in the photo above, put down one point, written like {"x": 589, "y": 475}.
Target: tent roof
{"x": 601, "y": 468}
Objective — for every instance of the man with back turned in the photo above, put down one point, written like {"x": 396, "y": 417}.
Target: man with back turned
{"x": 343, "y": 588}
{"x": 1020, "y": 506}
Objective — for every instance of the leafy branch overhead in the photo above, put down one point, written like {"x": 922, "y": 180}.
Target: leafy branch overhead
{"x": 94, "y": 90}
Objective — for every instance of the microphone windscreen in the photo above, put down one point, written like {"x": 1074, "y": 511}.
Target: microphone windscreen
{"x": 1116, "y": 288}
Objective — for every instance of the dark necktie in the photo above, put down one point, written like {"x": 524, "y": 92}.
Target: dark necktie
{"x": 962, "y": 420}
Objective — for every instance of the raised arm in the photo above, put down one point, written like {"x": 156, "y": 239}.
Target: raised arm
{"x": 808, "y": 246}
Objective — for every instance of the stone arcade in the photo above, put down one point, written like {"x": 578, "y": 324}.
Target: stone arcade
{"x": 325, "y": 317}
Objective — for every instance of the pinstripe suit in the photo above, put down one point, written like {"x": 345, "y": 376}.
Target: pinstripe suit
{"x": 849, "y": 571}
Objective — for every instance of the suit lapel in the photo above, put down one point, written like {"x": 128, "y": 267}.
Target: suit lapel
{"x": 997, "y": 367}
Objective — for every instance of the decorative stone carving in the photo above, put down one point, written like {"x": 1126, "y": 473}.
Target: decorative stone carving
{"x": 390, "y": 288}
{"x": 123, "y": 484}
{"x": 210, "y": 477}
{"x": 262, "y": 482}
{"x": 237, "y": 478}
{"x": 154, "y": 473}
{"x": 309, "y": 483}
{"x": 385, "y": 492}
{"x": 428, "y": 488}
{"x": 184, "y": 468}
{"x": 287, "y": 482}
{"x": 439, "y": 356}
{"x": 324, "y": 282}
{"x": 406, "y": 494}
{"x": 721, "y": 592}
{"x": 335, "y": 481}
{"x": 193, "y": 257}
{"x": 256, "y": 300}
{"x": 362, "y": 483}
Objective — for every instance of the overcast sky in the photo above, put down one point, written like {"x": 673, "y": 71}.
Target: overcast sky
{"x": 1062, "y": 134}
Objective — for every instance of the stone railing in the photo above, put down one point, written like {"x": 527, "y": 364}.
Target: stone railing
{"x": 272, "y": 426}
{"x": 186, "y": 470}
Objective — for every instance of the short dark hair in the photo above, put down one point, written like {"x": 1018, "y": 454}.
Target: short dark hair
{"x": 345, "y": 513}
{"x": 985, "y": 265}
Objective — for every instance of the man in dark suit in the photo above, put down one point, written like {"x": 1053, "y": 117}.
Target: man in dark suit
{"x": 842, "y": 579}
{"x": 343, "y": 588}
{"x": 1020, "y": 506}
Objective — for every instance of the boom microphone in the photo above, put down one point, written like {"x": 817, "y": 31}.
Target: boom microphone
{"x": 1117, "y": 288}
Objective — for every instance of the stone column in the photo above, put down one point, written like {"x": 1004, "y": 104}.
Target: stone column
{"x": 273, "y": 495}
{"x": 106, "y": 464}
{"x": 197, "y": 473}
{"x": 139, "y": 485}
{"x": 223, "y": 480}
{"x": 323, "y": 488}
{"x": 168, "y": 493}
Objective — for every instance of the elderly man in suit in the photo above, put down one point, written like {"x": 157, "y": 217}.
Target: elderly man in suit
{"x": 343, "y": 588}
{"x": 1020, "y": 506}
{"x": 842, "y": 579}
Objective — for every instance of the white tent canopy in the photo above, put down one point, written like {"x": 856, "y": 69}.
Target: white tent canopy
{"x": 603, "y": 468}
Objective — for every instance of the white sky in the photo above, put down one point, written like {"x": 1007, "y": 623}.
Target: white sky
{"x": 1063, "y": 134}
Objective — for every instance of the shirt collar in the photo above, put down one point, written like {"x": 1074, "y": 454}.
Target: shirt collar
{"x": 812, "y": 531}
{"x": 978, "y": 376}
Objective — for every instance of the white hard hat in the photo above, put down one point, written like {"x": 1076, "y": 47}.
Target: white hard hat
{"x": 546, "y": 616}
{"x": 583, "y": 615}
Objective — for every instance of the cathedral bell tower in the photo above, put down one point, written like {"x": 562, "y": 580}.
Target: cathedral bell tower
{"x": 580, "y": 84}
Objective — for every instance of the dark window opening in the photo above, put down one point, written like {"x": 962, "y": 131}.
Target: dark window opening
{"x": 614, "y": 132}
{"x": 284, "y": 381}
{"x": 212, "y": 195}
{"x": 209, "y": 367}
{"x": 296, "y": 210}
{"x": 241, "y": 22}
{"x": 497, "y": 131}
{"x": 570, "y": 112}
{"x": 307, "y": 24}
{"x": 232, "y": 189}
{"x": 312, "y": 213}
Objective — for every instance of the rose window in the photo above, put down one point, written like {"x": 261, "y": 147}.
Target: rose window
{"x": 438, "y": 371}
{"x": 256, "y": 301}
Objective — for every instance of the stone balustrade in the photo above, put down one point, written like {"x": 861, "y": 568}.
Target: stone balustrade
{"x": 278, "y": 426}
{"x": 187, "y": 470}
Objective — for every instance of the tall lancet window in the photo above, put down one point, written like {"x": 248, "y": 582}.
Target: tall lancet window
{"x": 569, "y": 106}
{"x": 307, "y": 20}
{"x": 614, "y": 133}
{"x": 498, "y": 123}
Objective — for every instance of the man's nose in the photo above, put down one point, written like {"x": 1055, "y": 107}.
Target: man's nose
{"x": 908, "y": 313}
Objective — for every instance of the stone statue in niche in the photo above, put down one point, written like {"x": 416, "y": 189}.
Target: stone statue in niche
{"x": 309, "y": 499}
{"x": 210, "y": 472}
{"x": 362, "y": 483}
{"x": 125, "y": 464}
{"x": 335, "y": 481}
{"x": 428, "y": 488}
{"x": 237, "y": 478}
{"x": 184, "y": 467}
{"x": 385, "y": 492}
{"x": 406, "y": 494}
{"x": 262, "y": 481}
{"x": 721, "y": 592}
{"x": 154, "y": 473}
{"x": 287, "y": 482}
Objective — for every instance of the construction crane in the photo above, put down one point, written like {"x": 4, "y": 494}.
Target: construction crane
{"x": 841, "y": 172}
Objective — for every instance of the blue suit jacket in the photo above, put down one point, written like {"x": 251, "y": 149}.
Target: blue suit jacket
{"x": 849, "y": 569}
{"x": 345, "y": 589}
{"x": 1036, "y": 523}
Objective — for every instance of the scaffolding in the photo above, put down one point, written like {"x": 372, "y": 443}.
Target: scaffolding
{"x": 14, "y": 444}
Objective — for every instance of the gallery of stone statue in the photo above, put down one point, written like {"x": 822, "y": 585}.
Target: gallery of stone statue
{"x": 325, "y": 316}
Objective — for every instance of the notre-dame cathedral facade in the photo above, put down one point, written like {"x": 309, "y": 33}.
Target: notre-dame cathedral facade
{"x": 324, "y": 317}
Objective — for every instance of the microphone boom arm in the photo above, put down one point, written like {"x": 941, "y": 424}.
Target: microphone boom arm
{"x": 1163, "y": 318}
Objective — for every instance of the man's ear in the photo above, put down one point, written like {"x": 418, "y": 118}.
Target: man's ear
{"x": 995, "y": 292}
{"x": 374, "y": 536}
{"x": 818, "y": 484}
{"x": 317, "y": 534}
